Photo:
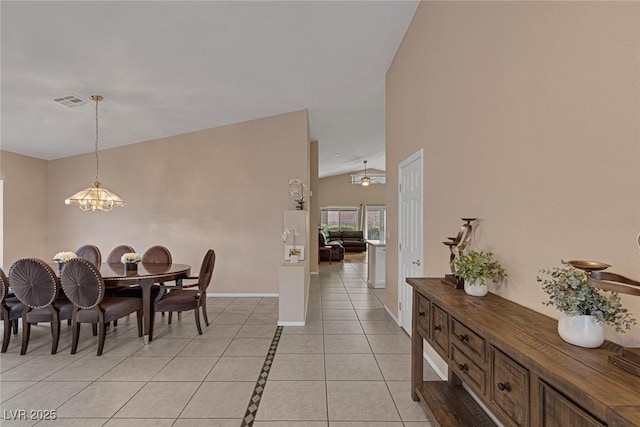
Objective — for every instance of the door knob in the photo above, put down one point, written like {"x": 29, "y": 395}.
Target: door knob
{"x": 416, "y": 262}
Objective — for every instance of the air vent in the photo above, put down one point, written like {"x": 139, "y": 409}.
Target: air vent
{"x": 70, "y": 101}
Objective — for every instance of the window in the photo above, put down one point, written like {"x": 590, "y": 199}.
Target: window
{"x": 339, "y": 218}
{"x": 375, "y": 222}
{"x": 374, "y": 179}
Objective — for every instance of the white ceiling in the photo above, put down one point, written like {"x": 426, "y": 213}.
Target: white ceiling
{"x": 166, "y": 68}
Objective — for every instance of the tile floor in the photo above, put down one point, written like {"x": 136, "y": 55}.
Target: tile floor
{"x": 349, "y": 366}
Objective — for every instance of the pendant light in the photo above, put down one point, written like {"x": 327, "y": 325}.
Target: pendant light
{"x": 95, "y": 198}
{"x": 365, "y": 181}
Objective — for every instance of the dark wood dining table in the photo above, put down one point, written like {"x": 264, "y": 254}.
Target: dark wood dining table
{"x": 147, "y": 274}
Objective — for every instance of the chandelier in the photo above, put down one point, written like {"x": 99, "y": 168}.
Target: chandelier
{"x": 365, "y": 181}
{"x": 95, "y": 198}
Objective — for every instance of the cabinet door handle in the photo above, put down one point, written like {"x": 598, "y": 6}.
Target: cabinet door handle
{"x": 416, "y": 262}
{"x": 437, "y": 328}
{"x": 504, "y": 386}
{"x": 463, "y": 367}
{"x": 421, "y": 313}
{"x": 464, "y": 338}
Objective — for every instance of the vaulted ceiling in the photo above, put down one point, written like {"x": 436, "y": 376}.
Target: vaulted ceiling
{"x": 170, "y": 67}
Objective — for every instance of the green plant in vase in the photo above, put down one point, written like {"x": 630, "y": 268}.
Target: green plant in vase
{"x": 476, "y": 268}
{"x": 582, "y": 306}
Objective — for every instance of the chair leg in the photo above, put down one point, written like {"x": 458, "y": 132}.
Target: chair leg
{"x": 102, "y": 331}
{"x": 152, "y": 321}
{"x": 7, "y": 333}
{"x": 75, "y": 336}
{"x": 26, "y": 331}
{"x": 196, "y": 313}
{"x": 68, "y": 321}
{"x": 204, "y": 313}
{"x": 94, "y": 328}
{"x": 115, "y": 322}
{"x": 179, "y": 316}
{"x": 139, "y": 319}
{"x": 170, "y": 316}
{"x": 15, "y": 327}
{"x": 55, "y": 331}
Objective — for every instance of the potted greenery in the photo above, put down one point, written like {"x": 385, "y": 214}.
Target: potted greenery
{"x": 584, "y": 310}
{"x": 476, "y": 267}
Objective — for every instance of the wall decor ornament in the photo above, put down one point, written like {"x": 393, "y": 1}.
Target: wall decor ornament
{"x": 456, "y": 246}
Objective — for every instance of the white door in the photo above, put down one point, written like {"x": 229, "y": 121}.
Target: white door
{"x": 410, "y": 233}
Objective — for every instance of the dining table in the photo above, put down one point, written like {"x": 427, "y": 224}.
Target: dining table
{"x": 145, "y": 276}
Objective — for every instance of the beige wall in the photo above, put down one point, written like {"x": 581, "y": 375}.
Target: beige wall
{"x": 528, "y": 115}
{"x": 338, "y": 191}
{"x": 24, "y": 213}
{"x": 223, "y": 188}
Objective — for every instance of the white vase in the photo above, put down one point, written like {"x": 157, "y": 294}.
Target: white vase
{"x": 294, "y": 258}
{"x": 581, "y": 330}
{"x": 475, "y": 288}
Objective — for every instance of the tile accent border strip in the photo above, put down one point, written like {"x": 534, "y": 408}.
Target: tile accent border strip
{"x": 254, "y": 402}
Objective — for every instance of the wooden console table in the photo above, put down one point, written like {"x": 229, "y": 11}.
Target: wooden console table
{"x": 513, "y": 360}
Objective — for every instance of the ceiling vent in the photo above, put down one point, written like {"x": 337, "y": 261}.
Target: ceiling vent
{"x": 70, "y": 101}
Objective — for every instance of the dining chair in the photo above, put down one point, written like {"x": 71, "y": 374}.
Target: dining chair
{"x": 37, "y": 286}
{"x": 90, "y": 252}
{"x": 10, "y": 311}
{"x": 157, "y": 254}
{"x": 185, "y": 298}
{"x": 116, "y": 254}
{"x": 83, "y": 284}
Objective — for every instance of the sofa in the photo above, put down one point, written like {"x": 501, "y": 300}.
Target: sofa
{"x": 352, "y": 241}
{"x": 337, "y": 250}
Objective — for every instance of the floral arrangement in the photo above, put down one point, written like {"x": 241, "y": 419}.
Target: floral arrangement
{"x": 64, "y": 256}
{"x": 296, "y": 189}
{"x": 290, "y": 231}
{"x": 130, "y": 258}
{"x": 478, "y": 267}
{"x": 570, "y": 293}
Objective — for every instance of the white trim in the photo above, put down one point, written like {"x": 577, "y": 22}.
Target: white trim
{"x": 442, "y": 375}
{"x": 290, "y": 323}
{"x": 314, "y": 272}
{"x": 395, "y": 319}
{"x": 240, "y": 295}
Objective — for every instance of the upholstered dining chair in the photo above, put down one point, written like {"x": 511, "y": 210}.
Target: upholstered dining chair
{"x": 90, "y": 252}
{"x": 185, "y": 298}
{"x": 83, "y": 284}
{"x": 157, "y": 254}
{"x": 10, "y": 311}
{"x": 116, "y": 254}
{"x": 36, "y": 285}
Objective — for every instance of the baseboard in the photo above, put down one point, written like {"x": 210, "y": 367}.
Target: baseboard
{"x": 241, "y": 295}
{"x": 314, "y": 273}
{"x": 395, "y": 319}
{"x": 442, "y": 375}
{"x": 291, "y": 323}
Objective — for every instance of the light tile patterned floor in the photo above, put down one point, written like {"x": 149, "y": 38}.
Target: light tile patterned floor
{"x": 348, "y": 367}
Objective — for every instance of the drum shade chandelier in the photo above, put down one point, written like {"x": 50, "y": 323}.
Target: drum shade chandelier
{"x": 365, "y": 181}
{"x": 95, "y": 198}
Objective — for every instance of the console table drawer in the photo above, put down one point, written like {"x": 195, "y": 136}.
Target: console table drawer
{"x": 424, "y": 316}
{"x": 468, "y": 370}
{"x": 510, "y": 388}
{"x": 468, "y": 341}
{"x": 440, "y": 332}
{"x": 558, "y": 411}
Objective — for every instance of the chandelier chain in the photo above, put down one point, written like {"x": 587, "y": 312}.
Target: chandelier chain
{"x": 96, "y": 145}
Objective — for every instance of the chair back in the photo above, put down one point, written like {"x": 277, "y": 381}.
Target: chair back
{"x": 206, "y": 270}
{"x": 4, "y": 288}
{"x": 157, "y": 255}
{"x": 90, "y": 252}
{"x": 82, "y": 283}
{"x": 34, "y": 282}
{"x": 117, "y": 252}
